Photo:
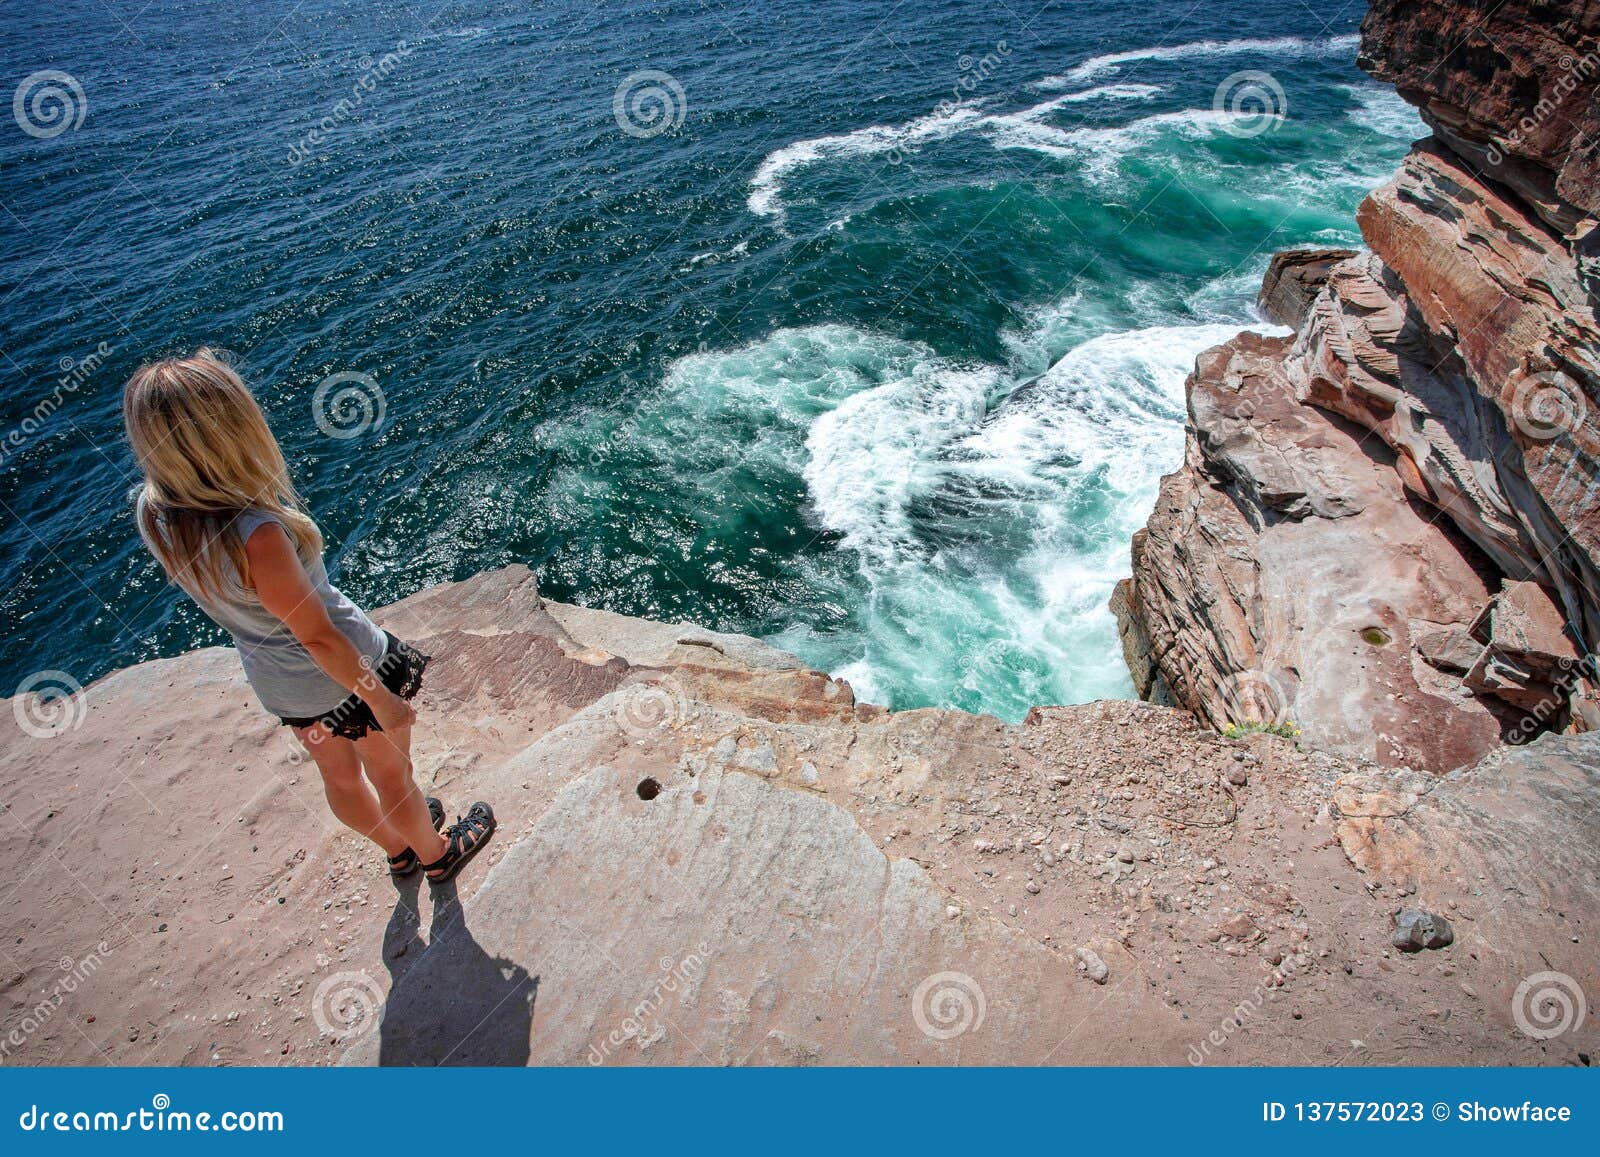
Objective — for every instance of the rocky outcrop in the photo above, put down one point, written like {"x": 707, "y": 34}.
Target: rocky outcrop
{"x": 710, "y": 854}
{"x": 1293, "y": 279}
{"x": 1259, "y": 588}
{"x": 1517, "y": 77}
{"x": 1460, "y": 361}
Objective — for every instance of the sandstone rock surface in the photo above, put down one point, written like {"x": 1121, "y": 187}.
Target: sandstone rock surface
{"x": 1292, "y": 280}
{"x": 711, "y": 855}
{"x": 1519, "y": 75}
{"x": 1263, "y": 597}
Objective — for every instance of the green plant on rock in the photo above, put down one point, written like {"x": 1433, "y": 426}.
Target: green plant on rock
{"x": 1284, "y": 730}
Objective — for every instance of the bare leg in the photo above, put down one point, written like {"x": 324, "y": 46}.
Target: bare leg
{"x": 350, "y": 797}
{"x": 386, "y": 755}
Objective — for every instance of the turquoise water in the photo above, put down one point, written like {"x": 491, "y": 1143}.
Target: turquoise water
{"x": 877, "y": 354}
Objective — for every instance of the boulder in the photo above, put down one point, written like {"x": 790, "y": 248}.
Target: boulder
{"x": 1414, "y": 931}
{"x": 1293, "y": 278}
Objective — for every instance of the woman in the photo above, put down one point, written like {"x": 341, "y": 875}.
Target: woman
{"x": 218, "y": 510}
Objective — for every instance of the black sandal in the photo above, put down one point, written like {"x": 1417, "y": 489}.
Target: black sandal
{"x": 462, "y": 840}
{"x": 406, "y": 862}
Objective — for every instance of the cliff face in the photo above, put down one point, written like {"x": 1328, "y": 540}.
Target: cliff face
{"x": 1386, "y": 529}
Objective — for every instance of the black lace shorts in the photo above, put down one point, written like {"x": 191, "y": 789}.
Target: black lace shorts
{"x": 401, "y": 671}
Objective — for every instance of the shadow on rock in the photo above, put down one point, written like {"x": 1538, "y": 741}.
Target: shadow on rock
{"x": 471, "y": 1008}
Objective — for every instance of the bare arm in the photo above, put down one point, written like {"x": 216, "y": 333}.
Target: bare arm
{"x": 285, "y": 590}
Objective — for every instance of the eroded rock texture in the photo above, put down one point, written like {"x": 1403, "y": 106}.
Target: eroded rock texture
{"x": 709, "y": 854}
{"x": 1366, "y": 509}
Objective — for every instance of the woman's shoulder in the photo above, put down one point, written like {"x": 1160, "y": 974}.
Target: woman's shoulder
{"x": 250, "y": 518}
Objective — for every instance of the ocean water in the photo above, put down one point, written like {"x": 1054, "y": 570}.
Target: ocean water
{"x": 859, "y": 327}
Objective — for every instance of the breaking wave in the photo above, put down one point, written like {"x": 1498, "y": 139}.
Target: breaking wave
{"x": 1097, "y": 66}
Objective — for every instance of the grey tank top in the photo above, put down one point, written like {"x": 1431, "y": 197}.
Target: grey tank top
{"x": 281, "y": 671}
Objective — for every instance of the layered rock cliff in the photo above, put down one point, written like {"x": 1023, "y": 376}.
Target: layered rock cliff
{"x": 1386, "y": 531}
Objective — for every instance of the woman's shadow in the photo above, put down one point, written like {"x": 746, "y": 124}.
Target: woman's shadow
{"x": 466, "y": 1007}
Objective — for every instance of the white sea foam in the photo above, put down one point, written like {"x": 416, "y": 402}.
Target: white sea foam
{"x": 869, "y": 456}
{"x": 717, "y": 256}
{"x": 985, "y": 523}
{"x": 1022, "y": 129}
{"x": 1099, "y": 92}
{"x": 1100, "y": 148}
{"x": 1381, "y": 110}
{"x": 1112, "y": 407}
{"x": 1097, "y": 66}
{"x": 916, "y": 473}
{"x": 1027, "y": 129}
{"x": 765, "y": 199}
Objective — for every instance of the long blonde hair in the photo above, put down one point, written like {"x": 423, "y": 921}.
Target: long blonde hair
{"x": 207, "y": 455}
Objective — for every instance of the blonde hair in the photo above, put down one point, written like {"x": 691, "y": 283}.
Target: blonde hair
{"x": 207, "y": 455}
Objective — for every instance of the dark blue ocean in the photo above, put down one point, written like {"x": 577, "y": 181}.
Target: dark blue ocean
{"x": 859, "y": 327}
